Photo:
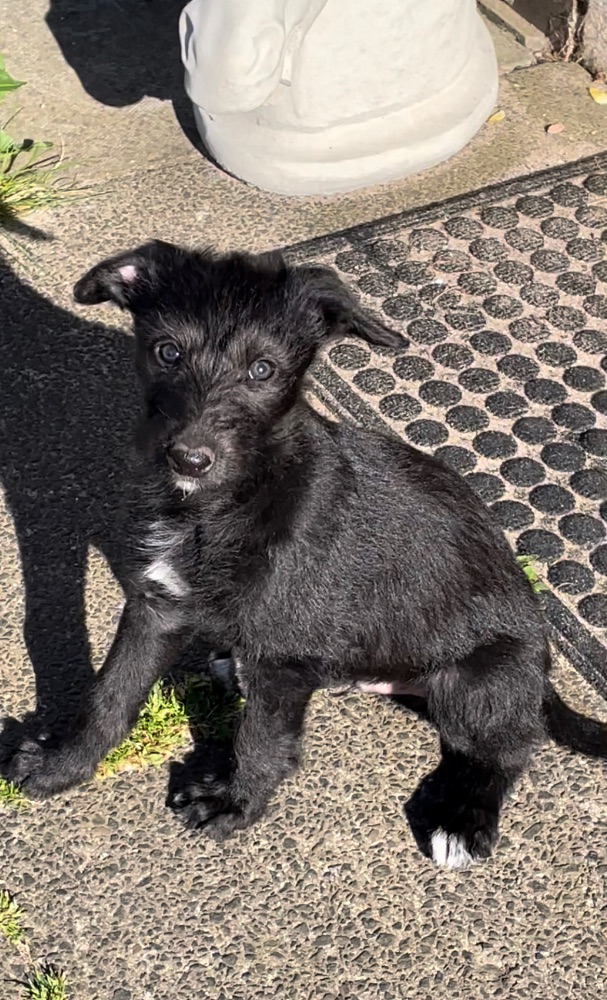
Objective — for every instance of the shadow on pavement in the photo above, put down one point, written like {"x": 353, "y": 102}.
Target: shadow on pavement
{"x": 124, "y": 50}
{"x": 67, "y": 402}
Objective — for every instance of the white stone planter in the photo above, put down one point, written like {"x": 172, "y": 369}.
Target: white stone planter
{"x": 320, "y": 96}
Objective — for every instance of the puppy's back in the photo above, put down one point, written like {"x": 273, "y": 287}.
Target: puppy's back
{"x": 397, "y": 551}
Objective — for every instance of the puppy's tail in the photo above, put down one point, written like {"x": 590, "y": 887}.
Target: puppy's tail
{"x": 571, "y": 729}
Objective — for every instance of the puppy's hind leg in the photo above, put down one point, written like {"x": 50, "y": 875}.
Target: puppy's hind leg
{"x": 487, "y": 709}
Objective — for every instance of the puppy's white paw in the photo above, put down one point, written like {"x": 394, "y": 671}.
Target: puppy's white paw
{"x": 449, "y": 850}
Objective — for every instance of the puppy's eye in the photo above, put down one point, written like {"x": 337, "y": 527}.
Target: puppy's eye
{"x": 261, "y": 370}
{"x": 168, "y": 353}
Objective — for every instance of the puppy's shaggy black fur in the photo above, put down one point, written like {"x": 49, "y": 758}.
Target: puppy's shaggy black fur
{"x": 321, "y": 554}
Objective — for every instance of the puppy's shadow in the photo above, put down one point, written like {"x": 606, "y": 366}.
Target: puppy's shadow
{"x": 67, "y": 402}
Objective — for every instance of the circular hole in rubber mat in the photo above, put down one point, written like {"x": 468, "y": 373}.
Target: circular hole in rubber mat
{"x": 503, "y": 297}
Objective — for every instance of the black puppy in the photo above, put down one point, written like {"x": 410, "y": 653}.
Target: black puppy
{"x": 321, "y": 554}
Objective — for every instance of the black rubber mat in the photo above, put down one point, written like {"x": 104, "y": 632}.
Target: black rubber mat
{"x": 502, "y": 295}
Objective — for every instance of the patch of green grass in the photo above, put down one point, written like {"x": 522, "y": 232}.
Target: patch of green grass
{"x": 47, "y": 983}
{"x": 44, "y": 983}
{"x": 11, "y": 919}
{"x": 528, "y": 567}
{"x": 167, "y": 720}
{"x": 11, "y": 796}
{"x": 161, "y": 728}
{"x": 210, "y": 709}
{"x": 7, "y": 82}
{"x": 31, "y": 177}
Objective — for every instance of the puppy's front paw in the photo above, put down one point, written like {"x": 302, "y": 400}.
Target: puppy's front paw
{"x": 42, "y": 769}
{"x": 210, "y": 808}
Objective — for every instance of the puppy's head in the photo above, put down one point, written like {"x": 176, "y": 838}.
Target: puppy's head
{"x": 223, "y": 343}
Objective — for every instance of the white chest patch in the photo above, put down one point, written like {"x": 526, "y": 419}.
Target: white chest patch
{"x": 161, "y": 571}
{"x": 162, "y": 544}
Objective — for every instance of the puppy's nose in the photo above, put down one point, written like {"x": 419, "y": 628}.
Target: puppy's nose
{"x": 190, "y": 461}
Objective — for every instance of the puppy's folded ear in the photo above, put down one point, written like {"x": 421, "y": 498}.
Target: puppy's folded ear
{"x": 341, "y": 312}
{"x": 130, "y": 279}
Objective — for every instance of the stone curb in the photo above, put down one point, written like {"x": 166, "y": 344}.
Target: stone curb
{"x": 524, "y": 32}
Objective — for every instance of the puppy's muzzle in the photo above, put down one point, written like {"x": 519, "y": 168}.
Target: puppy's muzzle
{"x": 194, "y": 462}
